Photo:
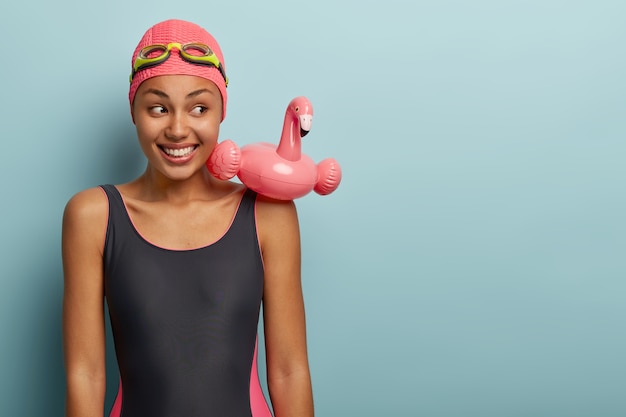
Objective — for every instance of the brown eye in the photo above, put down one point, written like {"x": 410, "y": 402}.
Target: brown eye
{"x": 199, "y": 110}
{"x": 297, "y": 109}
{"x": 158, "y": 110}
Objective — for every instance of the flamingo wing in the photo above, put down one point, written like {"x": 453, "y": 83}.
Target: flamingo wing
{"x": 328, "y": 176}
{"x": 225, "y": 160}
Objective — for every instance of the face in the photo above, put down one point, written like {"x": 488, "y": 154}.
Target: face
{"x": 177, "y": 119}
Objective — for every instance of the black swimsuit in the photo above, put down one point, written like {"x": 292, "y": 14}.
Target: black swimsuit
{"x": 184, "y": 321}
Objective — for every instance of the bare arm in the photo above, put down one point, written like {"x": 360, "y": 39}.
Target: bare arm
{"x": 84, "y": 227}
{"x": 288, "y": 374}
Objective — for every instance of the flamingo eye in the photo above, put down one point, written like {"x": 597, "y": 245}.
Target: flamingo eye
{"x": 297, "y": 109}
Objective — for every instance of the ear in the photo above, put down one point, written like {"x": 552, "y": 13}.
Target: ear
{"x": 132, "y": 113}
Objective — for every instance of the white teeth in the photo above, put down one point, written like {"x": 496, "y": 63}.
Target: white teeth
{"x": 178, "y": 152}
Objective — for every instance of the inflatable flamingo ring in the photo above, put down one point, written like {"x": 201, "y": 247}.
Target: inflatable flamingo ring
{"x": 282, "y": 172}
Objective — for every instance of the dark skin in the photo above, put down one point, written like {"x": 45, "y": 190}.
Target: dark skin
{"x": 177, "y": 204}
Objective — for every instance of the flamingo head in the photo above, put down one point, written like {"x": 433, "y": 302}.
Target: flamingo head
{"x": 302, "y": 110}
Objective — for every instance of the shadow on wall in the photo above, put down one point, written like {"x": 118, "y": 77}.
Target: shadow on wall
{"x": 39, "y": 383}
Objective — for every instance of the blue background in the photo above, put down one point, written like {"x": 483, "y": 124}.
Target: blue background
{"x": 471, "y": 263}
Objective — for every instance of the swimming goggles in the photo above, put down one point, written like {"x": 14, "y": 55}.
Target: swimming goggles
{"x": 195, "y": 53}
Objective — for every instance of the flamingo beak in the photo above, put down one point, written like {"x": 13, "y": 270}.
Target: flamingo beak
{"x": 305, "y": 124}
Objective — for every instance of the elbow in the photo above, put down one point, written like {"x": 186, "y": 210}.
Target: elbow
{"x": 89, "y": 379}
{"x": 285, "y": 377}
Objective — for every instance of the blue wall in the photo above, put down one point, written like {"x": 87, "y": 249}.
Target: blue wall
{"x": 472, "y": 261}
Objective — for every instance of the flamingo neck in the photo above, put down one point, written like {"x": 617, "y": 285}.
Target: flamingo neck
{"x": 289, "y": 147}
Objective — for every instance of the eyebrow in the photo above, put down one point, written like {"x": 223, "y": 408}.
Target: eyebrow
{"x": 198, "y": 92}
{"x": 156, "y": 92}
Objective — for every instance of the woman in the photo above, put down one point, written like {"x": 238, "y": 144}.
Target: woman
{"x": 184, "y": 261}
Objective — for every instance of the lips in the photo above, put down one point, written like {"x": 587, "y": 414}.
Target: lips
{"x": 178, "y": 154}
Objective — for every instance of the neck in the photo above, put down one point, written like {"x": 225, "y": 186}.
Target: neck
{"x": 156, "y": 187}
{"x": 289, "y": 146}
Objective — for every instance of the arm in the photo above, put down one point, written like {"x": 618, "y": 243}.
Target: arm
{"x": 84, "y": 228}
{"x": 288, "y": 374}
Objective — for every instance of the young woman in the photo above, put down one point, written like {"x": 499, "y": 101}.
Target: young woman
{"x": 183, "y": 260}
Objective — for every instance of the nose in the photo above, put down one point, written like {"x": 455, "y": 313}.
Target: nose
{"x": 178, "y": 127}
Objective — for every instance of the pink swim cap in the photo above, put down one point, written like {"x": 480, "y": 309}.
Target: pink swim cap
{"x": 182, "y": 32}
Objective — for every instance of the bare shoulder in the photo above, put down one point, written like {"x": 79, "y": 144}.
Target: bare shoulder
{"x": 86, "y": 214}
{"x": 89, "y": 204}
{"x": 276, "y": 218}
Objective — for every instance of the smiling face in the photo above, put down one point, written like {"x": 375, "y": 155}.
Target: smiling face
{"x": 177, "y": 119}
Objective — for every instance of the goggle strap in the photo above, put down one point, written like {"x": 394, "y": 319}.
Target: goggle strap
{"x": 208, "y": 64}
